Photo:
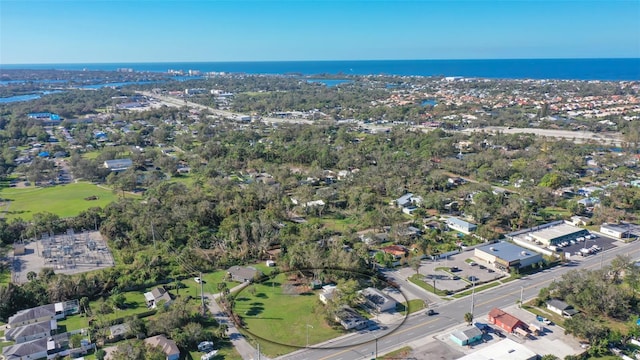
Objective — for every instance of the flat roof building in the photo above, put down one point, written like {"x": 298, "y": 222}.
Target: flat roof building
{"x": 617, "y": 231}
{"x": 505, "y": 255}
{"x": 506, "y": 349}
{"x": 554, "y": 235}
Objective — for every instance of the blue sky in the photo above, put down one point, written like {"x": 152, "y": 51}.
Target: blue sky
{"x": 87, "y": 31}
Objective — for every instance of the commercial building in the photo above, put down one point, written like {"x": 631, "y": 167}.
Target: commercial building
{"x": 466, "y": 336}
{"x": 617, "y": 231}
{"x": 377, "y": 300}
{"x": 506, "y": 349}
{"x": 506, "y": 256}
{"x": 556, "y": 234}
{"x": 506, "y": 321}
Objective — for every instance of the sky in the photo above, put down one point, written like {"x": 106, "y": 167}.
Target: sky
{"x": 112, "y": 31}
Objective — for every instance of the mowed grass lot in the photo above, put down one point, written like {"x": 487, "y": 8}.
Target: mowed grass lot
{"x": 278, "y": 317}
{"x": 63, "y": 200}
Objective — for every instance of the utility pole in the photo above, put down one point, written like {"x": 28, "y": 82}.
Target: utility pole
{"x": 376, "y": 348}
{"x": 473, "y": 290}
{"x": 202, "y": 293}
{"x": 521, "y": 293}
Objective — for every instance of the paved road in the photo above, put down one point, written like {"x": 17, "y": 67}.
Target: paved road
{"x": 418, "y": 327}
{"x": 576, "y": 136}
{"x": 172, "y": 101}
{"x": 246, "y": 350}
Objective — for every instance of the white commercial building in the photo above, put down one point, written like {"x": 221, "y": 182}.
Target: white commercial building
{"x": 506, "y": 349}
{"x": 505, "y": 255}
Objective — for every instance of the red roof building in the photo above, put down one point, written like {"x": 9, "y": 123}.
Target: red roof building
{"x": 395, "y": 250}
{"x": 504, "y": 320}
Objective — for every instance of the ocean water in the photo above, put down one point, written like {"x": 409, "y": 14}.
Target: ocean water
{"x": 569, "y": 69}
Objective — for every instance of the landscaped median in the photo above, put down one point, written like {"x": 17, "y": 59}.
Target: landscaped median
{"x": 417, "y": 279}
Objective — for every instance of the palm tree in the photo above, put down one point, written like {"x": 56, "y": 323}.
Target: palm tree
{"x": 468, "y": 318}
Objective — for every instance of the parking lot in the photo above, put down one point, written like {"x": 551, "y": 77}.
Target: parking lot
{"x": 552, "y": 340}
{"x": 455, "y": 273}
{"x": 603, "y": 243}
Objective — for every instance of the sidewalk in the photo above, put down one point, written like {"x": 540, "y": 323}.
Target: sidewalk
{"x": 246, "y": 350}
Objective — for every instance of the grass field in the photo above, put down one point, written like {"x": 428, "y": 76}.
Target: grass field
{"x": 63, "y": 200}
{"x": 282, "y": 318}
{"x": 413, "y": 305}
{"x": 5, "y": 277}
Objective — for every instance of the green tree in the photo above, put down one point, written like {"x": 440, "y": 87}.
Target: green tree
{"x": 468, "y": 318}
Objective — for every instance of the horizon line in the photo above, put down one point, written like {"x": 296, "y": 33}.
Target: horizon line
{"x": 298, "y": 61}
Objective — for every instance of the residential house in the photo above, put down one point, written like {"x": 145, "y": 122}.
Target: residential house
{"x": 118, "y": 164}
{"x": 461, "y": 225}
{"x": 350, "y": 319}
{"x": 243, "y": 273}
{"x": 377, "y": 300}
{"x": 466, "y": 336}
{"x": 168, "y": 346}
{"x": 156, "y": 295}
{"x": 119, "y": 331}
{"x": 31, "y": 331}
{"x": 506, "y": 321}
{"x": 561, "y": 308}
{"x": 43, "y": 313}
{"x": 407, "y": 200}
{"x": 374, "y": 239}
{"x": 397, "y": 251}
{"x": 35, "y": 349}
{"x": 328, "y": 293}
{"x": 635, "y": 183}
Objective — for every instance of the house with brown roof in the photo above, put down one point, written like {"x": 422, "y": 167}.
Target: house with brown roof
{"x": 505, "y": 320}
{"x": 168, "y": 346}
{"x": 397, "y": 251}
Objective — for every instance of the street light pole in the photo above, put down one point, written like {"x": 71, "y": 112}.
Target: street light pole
{"x": 308, "y": 326}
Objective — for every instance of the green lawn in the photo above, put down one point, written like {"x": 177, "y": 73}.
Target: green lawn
{"x": 478, "y": 288}
{"x": 414, "y": 305}
{"x": 417, "y": 279}
{"x": 64, "y": 200}
{"x": 282, "y": 318}
{"x": 5, "y": 277}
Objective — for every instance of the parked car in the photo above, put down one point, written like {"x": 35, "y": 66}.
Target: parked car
{"x": 473, "y": 278}
{"x": 197, "y": 279}
{"x": 473, "y": 263}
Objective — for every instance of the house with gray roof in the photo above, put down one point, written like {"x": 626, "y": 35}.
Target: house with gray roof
{"x": 35, "y": 315}
{"x": 561, "y": 308}
{"x": 35, "y": 349}
{"x": 156, "y": 295}
{"x": 461, "y": 225}
{"x": 31, "y": 331}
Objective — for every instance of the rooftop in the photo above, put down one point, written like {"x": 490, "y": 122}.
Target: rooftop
{"x": 507, "y": 251}
{"x": 556, "y": 231}
{"x": 506, "y": 349}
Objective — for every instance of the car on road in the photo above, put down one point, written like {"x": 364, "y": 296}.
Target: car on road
{"x": 430, "y": 312}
